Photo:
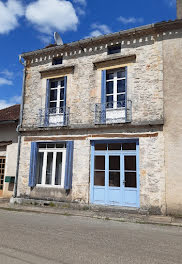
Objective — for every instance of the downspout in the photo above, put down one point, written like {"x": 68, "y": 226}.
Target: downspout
{"x": 19, "y": 126}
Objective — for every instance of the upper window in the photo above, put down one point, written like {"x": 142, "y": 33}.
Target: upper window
{"x": 115, "y": 88}
{"x": 51, "y": 164}
{"x": 57, "y": 90}
{"x": 56, "y": 61}
{"x": 114, "y": 49}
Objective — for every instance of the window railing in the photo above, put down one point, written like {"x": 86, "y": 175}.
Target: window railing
{"x": 56, "y": 116}
{"x": 113, "y": 112}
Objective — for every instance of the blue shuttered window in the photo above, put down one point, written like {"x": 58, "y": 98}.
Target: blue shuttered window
{"x": 103, "y": 97}
{"x": 69, "y": 165}
{"x": 126, "y": 94}
{"x": 46, "y": 123}
{"x": 65, "y": 89}
{"x": 33, "y": 164}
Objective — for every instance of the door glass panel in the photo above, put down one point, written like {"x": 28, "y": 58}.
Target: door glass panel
{"x": 129, "y": 146}
{"x": 130, "y": 171}
{"x": 99, "y": 178}
{"x": 114, "y": 146}
{"x": 58, "y": 168}
{"x": 99, "y": 172}
{"x": 62, "y": 94}
{"x": 53, "y": 95}
{"x": 39, "y": 167}
{"x": 114, "y": 162}
{"x": 130, "y": 163}
{"x": 99, "y": 162}
{"x": 121, "y": 74}
{"x": 54, "y": 84}
{"x": 114, "y": 179}
{"x": 49, "y": 168}
{"x": 100, "y": 146}
{"x": 130, "y": 179}
{"x": 109, "y": 75}
{"x": 114, "y": 171}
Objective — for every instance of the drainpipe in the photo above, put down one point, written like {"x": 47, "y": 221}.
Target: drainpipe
{"x": 18, "y": 127}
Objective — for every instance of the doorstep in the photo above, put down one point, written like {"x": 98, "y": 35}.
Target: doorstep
{"x": 120, "y": 214}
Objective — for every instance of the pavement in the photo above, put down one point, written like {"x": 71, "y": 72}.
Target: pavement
{"x": 99, "y": 212}
{"x": 28, "y": 237}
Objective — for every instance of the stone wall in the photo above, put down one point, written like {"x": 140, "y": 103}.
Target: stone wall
{"x": 145, "y": 79}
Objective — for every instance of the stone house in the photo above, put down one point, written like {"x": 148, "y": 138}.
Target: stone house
{"x": 101, "y": 120}
{"x": 9, "y": 118}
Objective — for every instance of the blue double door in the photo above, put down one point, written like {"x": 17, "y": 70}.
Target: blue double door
{"x": 114, "y": 177}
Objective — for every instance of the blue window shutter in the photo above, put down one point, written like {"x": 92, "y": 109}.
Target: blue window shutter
{"x": 64, "y": 106}
{"x": 33, "y": 164}
{"x": 46, "y": 123}
{"x": 126, "y": 95}
{"x": 69, "y": 165}
{"x": 103, "y": 97}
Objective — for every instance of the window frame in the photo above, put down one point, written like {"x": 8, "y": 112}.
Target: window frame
{"x": 44, "y": 166}
{"x": 58, "y": 96}
{"x": 114, "y": 102}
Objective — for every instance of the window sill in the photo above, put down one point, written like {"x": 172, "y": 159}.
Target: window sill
{"x": 50, "y": 186}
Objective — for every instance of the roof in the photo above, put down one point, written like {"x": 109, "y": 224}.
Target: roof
{"x": 10, "y": 113}
{"x": 156, "y": 27}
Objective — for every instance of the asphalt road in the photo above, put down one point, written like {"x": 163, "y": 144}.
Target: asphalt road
{"x": 45, "y": 238}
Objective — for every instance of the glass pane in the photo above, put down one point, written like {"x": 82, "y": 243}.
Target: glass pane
{"x": 129, "y": 146}
{"x": 101, "y": 147}
{"x": 42, "y": 145}
{"x": 109, "y": 87}
{"x": 60, "y": 145}
{"x": 58, "y": 168}
{"x": 49, "y": 168}
{"x": 109, "y": 75}
{"x": 121, "y": 97}
{"x": 130, "y": 179}
{"x": 114, "y": 146}
{"x": 62, "y": 83}
{"x": 109, "y": 98}
{"x": 99, "y": 178}
{"x": 114, "y": 49}
{"x": 50, "y": 145}
{"x": 114, "y": 162}
{"x": 130, "y": 163}
{"x": 114, "y": 179}
{"x": 121, "y": 74}
{"x": 54, "y": 84}
{"x": 53, "y": 105}
{"x": 61, "y": 104}
{"x": 99, "y": 162}
{"x": 62, "y": 94}
{"x": 53, "y": 95}
{"x": 39, "y": 167}
{"x": 121, "y": 86}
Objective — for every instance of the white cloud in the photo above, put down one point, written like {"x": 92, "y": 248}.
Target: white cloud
{"x": 52, "y": 15}
{"x": 45, "y": 39}
{"x": 130, "y": 20}
{"x": 11, "y": 101}
{"x": 7, "y": 73}
{"x": 171, "y": 3}
{"x": 80, "y": 11}
{"x": 5, "y": 81}
{"x": 81, "y": 2}
{"x": 99, "y": 29}
{"x": 9, "y": 14}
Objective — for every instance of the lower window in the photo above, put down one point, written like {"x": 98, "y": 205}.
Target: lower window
{"x": 51, "y": 164}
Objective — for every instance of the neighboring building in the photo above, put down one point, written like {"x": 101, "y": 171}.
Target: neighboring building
{"x": 102, "y": 120}
{"x": 9, "y": 118}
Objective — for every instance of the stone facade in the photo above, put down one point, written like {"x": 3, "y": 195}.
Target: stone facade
{"x": 148, "y": 87}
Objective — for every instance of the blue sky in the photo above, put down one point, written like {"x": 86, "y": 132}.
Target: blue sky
{"x": 26, "y": 25}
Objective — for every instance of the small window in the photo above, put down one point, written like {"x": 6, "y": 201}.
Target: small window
{"x": 114, "y": 49}
{"x": 57, "y": 61}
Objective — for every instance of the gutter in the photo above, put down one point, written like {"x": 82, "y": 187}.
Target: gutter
{"x": 19, "y": 126}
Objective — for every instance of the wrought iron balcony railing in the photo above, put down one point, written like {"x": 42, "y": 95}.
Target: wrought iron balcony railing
{"x": 113, "y": 112}
{"x": 56, "y": 116}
